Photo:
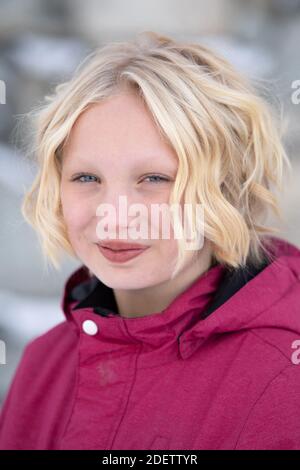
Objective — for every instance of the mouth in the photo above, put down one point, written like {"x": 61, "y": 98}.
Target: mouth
{"x": 120, "y": 256}
{"x": 120, "y": 246}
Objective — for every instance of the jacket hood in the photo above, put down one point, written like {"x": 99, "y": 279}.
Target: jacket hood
{"x": 220, "y": 301}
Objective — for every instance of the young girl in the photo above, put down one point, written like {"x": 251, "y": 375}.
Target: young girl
{"x": 162, "y": 346}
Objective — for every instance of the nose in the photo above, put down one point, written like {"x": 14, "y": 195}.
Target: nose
{"x": 113, "y": 216}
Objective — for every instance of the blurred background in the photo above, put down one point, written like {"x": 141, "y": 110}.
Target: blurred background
{"x": 41, "y": 43}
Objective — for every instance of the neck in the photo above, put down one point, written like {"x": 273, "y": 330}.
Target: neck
{"x": 154, "y": 299}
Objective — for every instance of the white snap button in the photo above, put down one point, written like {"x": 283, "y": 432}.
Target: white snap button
{"x": 90, "y": 327}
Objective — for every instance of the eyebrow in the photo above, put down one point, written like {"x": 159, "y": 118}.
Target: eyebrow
{"x": 140, "y": 165}
{"x": 153, "y": 163}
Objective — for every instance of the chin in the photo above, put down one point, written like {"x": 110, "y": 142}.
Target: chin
{"x": 123, "y": 284}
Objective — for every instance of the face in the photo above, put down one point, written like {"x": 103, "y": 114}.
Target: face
{"x": 114, "y": 149}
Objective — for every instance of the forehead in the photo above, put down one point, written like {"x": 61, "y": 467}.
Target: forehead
{"x": 119, "y": 127}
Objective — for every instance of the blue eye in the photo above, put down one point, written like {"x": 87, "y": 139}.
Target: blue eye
{"x": 161, "y": 179}
{"x": 80, "y": 178}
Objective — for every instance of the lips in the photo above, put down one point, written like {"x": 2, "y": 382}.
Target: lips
{"x": 120, "y": 246}
{"x": 121, "y": 256}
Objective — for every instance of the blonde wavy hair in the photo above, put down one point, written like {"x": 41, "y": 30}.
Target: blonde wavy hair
{"x": 228, "y": 145}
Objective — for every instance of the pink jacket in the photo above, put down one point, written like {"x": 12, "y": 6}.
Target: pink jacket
{"x": 219, "y": 368}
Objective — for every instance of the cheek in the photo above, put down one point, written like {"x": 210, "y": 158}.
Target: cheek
{"x": 168, "y": 249}
{"x": 75, "y": 212}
